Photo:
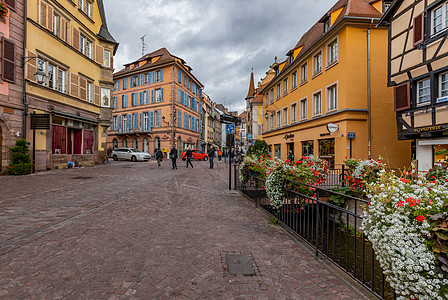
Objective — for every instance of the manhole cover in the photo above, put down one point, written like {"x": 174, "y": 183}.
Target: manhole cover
{"x": 82, "y": 177}
{"x": 239, "y": 264}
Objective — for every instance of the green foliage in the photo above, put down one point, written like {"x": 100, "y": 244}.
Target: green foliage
{"x": 441, "y": 152}
{"x": 339, "y": 200}
{"x": 20, "y": 162}
{"x": 436, "y": 173}
{"x": 259, "y": 148}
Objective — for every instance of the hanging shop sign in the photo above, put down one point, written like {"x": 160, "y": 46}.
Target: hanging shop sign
{"x": 332, "y": 127}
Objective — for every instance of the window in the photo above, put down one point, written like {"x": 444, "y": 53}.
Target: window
{"x": 260, "y": 128}
{"x": 443, "y": 88}
{"x": 424, "y": 92}
{"x": 56, "y": 75}
{"x": 285, "y": 86}
{"x": 304, "y": 73}
{"x": 278, "y": 119}
{"x": 317, "y": 59}
{"x": 105, "y": 97}
{"x": 107, "y": 58}
{"x": 125, "y": 124}
{"x": 89, "y": 92}
{"x": 307, "y": 148}
{"x": 159, "y": 97}
{"x": 145, "y": 122}
{"x": 293, "y": 113}
{"x": 293, "y": 80}
{"x": 278, "y": 91}
{"x": 317, "y": 104}
{"x": 56, "y": 24}
{"x": 439, "y": 18}
{"x": 303, "y": 109}
{"x": 285, "y": 116}
{"x": 333, "y": 53}
{"x": 327, "y": 25}
{"x": 272, "y": 96}
{"x": 125, "y": 83}
{"x": 117, "y": 85}
{"x": 85, "y": 46}
{"x": 332, "y": 98}
{"x": 272, "y": 121}
{"x": 86, "y": 7}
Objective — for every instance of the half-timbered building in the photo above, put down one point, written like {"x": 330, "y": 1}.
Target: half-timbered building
{"x": 418, "y": 71}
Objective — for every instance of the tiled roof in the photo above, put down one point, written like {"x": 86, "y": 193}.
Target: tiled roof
{"x": 104, "y": 33}
{"x": 165, "y": 56}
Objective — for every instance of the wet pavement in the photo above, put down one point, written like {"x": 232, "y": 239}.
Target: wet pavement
{"x": 132, "y": 231}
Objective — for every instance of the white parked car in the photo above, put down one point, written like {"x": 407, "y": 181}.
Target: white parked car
{"x": 130, "y": 154}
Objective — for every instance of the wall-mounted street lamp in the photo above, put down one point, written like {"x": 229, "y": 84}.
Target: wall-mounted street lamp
{"x": 40, "y": 74}
{"x": 266, "y": 115}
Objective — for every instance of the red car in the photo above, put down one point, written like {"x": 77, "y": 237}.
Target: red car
{"x": 197, "y": 154}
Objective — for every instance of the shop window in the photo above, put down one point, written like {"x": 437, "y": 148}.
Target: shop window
{"x": 277, "y": 151}
{"x": 441, "y": 155}
{"x": 115, "y": 143}
{"x": 308, "y": 148}
{"x": 326, "y": 150}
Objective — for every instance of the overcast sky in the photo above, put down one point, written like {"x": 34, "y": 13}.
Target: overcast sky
{"x": 222, "y": 40}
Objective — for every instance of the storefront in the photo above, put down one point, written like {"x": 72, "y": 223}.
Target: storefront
{"x": 326, "y": 150}
{"x": 431, "y": 152}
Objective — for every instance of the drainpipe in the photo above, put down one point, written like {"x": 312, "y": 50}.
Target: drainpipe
{"x": 369, "y": 93}
{"x": 25, "y": 103}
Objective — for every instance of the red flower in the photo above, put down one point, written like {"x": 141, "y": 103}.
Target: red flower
{"x": 420, "y": 218}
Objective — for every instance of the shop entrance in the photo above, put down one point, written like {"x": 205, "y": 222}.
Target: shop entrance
{"x": 289, "y": 147}
{"x": 74, "y": 141}
{"x": 326, "y": 151}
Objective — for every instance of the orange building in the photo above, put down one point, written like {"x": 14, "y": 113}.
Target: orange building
{"x": 156, "y": 104}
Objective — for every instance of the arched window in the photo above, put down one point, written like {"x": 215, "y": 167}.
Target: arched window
{"x": 115, "y": 143}
{"x": 157, "y": 143}
{"x": 135, "y": 144}
{"x": 125, "y": 143}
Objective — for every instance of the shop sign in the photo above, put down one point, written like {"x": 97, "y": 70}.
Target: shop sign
{"x": 429, "y": 128}
{"x": 289, "y": 136}
{"x": 351, "y": 135}
{"x": 332, "y": 127}
{"x": 325, "y": 134}
{"x": 8, "y": 110}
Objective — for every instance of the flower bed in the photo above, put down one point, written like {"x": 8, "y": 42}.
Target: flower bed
{"x": 406, "y": 222}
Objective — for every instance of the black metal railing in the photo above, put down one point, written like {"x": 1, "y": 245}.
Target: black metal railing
{"x": 335, "y": 176}
{"x": 333, "y": 231}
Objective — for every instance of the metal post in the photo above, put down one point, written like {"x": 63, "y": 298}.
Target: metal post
{"x": 343, "y": 175}
{"x": 33, "y": 116}
{"x": 230, "y": 169}
{"x": 317, "y": 223}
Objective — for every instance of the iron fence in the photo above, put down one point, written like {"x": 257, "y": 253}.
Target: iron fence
{"x": 333, "y": 231}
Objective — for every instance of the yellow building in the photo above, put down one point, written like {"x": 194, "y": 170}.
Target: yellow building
{"x": 329, "y": 98}
{"x": 418, "y": 71}
{"x": 70, "y": 43}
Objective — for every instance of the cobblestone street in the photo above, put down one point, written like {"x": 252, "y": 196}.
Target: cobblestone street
{"x": 133, "y": 231}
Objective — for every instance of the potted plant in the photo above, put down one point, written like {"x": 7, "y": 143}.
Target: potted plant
{"x": 3, "y": 10}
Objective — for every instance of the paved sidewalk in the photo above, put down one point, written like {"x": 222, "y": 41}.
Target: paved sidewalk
{"x": 133, "y": 231}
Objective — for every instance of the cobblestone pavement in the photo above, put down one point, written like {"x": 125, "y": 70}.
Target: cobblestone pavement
{"x": 133, "y": 231}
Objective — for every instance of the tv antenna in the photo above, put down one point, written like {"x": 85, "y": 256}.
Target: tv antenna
{"x": 143, "y": 45}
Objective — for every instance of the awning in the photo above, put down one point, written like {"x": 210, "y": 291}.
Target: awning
{"x": 75, "y": 117}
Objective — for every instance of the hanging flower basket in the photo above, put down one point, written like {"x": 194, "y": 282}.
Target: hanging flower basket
{"x": 3, "y": 10}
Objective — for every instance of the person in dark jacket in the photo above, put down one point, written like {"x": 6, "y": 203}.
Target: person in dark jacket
{"x": 159, "y": 157}
{"x": 211, "y": 155}
{"x": 189, "y": 155}
{"x": 291, "y": 157}
{"x": 173, "y": 156}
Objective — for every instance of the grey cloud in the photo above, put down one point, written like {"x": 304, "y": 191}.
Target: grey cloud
{"x": 221, "y": 40}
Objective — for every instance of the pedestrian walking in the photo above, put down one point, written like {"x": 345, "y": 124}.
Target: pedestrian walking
{"x": 173, "y": 156}
{"x": 211, "y": 155}
{"x": 219, "y": 154}
{"x": 291, "y": 157}
{"x": 159, "y": 157}
{"x": 189, "y": 155}
{"x": 225, "y": 156}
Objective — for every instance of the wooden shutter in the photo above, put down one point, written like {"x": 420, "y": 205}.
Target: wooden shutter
{"x": 38, "y": 11}
{"x": 11, "y": 4}
{"x": 96, "y": 99}
{"x": 43, "y": 14}
{"x": 402, "y": 96}
{"x": 74, "y": 84}
{"x": 31, "y": 66}
{"x": 82, "y": 88}
{"x": 99, "y": 54}
{"x": 75, "y": 38}
{"x": 419, "y": 29}
{"x": 50, "y": 13}
{"x": 9, "y": 60}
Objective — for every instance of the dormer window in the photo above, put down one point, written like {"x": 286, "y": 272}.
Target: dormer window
{"x": 327, "y": 25}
